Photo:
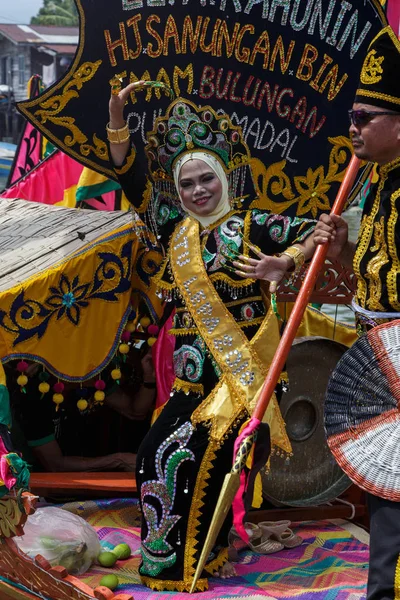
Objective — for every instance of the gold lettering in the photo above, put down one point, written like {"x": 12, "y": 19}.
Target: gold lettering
{"x": 331, "y": 78}
{"x": 314, "y": 83}
{"x": 186, "y": 74}
{"x": 154, "y": 53}
{"x": 133, "y": 22}
{"x": 193, "y": 36}
{"x": 262, "y": 46}
{"x": 310, "y": 55}
{"x": 171, "y": 32}
{"x": 121, "y": 42}
{"x": 284, "y": 60}
{"x": 243, "y": 54}
{"x": 230, "y": 42}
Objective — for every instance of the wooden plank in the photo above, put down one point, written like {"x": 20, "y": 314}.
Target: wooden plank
{"x": 309, "y": 513}
{"x": 34, "y": 237}
{"x": 118, "y": 482}
{"x": 10, "y": 592}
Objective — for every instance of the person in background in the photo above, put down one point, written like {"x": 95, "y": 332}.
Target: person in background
{"x": 375, "y": 134}
{"x": 96, "y": 439}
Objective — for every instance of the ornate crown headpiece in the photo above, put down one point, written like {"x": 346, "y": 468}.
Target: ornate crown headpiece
{"x": 379, "y": 80}
{"x": 187, "y": 128}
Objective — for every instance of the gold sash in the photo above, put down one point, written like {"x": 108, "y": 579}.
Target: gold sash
{"x": 244, "y": 364}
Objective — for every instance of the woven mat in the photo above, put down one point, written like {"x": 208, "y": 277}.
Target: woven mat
{"x": 331, "y": 563}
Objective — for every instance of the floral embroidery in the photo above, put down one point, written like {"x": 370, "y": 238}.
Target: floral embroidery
{"x": 157, "y": 553}
{"x": 29, "y": 317}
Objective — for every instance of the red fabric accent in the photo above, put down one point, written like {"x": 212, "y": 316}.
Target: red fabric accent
{"x": 393, "y": 15}
{"x": 163, "y": 351}
{"x": 46, "y": 184}
{"x": 239, "y": 512}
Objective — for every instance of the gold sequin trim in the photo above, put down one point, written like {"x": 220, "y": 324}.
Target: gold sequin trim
{"x": 195, "y": 511}
{"x": 243, "y": 301}
{"x": 183, "y": 331}
{"x": 218, "y": 562}
{"x": 173, "y": 586}
{"x": 364, "y": 242}
{"x": 395, "y": 268}
{"x": 188, "y": 386}
{"x": 375, "y": 265}
{"x": 378, "y": 96}
{"x": 129, "y": 162}
{"x": 397, "y": 581}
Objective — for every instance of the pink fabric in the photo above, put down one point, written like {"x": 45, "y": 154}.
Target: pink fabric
{"x": 5, "y": 473}
{"x": 47, "y": 183}
{"x": 393, "y": 14}
{"x": 31, "y": 143}
{"x": 239, "y": 512}
{"x": 163, "y": 351}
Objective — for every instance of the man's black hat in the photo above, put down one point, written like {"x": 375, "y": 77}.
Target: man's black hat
{"x": 380, "y": 73}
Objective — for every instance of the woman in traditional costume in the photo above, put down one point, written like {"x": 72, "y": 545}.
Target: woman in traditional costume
{"x": 226, "y": 331}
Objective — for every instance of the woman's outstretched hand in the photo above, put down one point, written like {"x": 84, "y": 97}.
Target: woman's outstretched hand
{"x": 117, "y": 103}
{"x": 267, "y": 268}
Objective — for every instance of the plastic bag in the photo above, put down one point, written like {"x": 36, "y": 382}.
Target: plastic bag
{"x": 62, "y": 538}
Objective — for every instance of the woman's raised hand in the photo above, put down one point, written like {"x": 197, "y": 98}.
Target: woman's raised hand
{"x": 267, "y": 268}
{"x": 117, "y": 104}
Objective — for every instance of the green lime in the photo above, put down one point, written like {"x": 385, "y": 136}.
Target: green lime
{"x": 107, "y": 559}
{"x": 48, "y": 542}
{"x": 122, "y": 551}
{"x": 110, "y": 581}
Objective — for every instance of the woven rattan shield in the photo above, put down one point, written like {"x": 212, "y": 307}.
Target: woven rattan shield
{"x": 362, "y": 416}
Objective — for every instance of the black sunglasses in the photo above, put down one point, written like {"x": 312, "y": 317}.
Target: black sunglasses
{"x": 362, "y": 117}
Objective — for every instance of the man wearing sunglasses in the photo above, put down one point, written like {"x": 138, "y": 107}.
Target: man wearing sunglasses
{"x": 375, "y": 135}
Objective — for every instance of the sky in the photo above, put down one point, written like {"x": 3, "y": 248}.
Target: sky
{"x": 19, "y": 11}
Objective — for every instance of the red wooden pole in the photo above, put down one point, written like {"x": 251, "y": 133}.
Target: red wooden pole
{"x": 303, "y": 297}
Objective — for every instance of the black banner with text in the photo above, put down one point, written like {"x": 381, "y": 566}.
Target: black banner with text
{"x": 285, "y": 70}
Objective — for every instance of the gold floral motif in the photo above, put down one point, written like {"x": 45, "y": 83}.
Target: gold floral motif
{"x": 375, "y": 265}
{"x": 309, "y": 192}
{"x": 54, "y": 105}
{"x": 372, "y": 71}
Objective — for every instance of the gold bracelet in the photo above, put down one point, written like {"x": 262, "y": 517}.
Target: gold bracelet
{"x": 118, "y": 136}
{"x": 298, "y": 257}
{"x": 296, "y": 254}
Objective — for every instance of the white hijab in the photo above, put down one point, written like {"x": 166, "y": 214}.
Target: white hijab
{"x": 223, "y": 206}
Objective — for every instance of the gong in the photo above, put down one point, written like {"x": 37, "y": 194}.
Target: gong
{"x": 311, "y": 476}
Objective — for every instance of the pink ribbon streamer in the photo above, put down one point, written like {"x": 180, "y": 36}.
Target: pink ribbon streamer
{"x": 239, "y": 512}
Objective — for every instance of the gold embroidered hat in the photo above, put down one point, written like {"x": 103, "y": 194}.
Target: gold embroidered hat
{"x": 380, "y": 73}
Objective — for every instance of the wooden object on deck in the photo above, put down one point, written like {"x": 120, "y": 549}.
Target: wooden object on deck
{"x": 36, "y": 574}
{"x": 44, "y": 484}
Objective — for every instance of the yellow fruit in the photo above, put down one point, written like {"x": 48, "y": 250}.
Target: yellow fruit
{"x": 82, "y": 404}
{"x": 107, "y": 559}
{"x": 110, "y": 581}
{"x": 44, "y": 387}
{"x": 122, "y": 551}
